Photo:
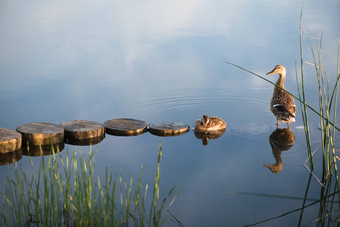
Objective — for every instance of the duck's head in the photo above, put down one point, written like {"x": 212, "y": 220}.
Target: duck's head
{"x": 205, "y": 119}
{"x": 280, "y": 69}
{"x": 202, "y": 123}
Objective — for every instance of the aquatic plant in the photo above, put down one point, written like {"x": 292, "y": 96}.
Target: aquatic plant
{"x": 327, "y": 111}
{"x": 66, "y": 192}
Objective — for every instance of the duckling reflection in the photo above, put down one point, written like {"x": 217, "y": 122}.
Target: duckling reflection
{"x": 280, "y": 140}
{"x": 205, "y": 137}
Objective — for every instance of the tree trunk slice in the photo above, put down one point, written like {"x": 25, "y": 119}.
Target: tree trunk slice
{"x": 10, "y": 140}
{"x": 125, "y": 127}
{"x": 41, "y": 133}
{"x": 10, "y": 157}
{"x": 168, "y": 128}
{"x": 82, "y": 130}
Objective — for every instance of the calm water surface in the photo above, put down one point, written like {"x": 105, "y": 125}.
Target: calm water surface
{"x": 164, "y": 61}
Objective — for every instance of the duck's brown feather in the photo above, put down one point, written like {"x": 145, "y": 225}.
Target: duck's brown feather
{"x": 284, "y": 101}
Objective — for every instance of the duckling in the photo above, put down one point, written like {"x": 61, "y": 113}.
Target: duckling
{"x": 282, "y": 104}
{"x": 209, "y": 124}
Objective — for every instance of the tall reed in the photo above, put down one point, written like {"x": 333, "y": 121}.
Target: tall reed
{"x": 327, "y": 109}
{"x": 302, "y": 97}
{"x": 327, "y": 98}
{"x": 65, "y": 191}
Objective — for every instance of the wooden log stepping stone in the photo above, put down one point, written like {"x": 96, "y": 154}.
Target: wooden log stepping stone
{"x": 168, "y": 128}
{"x": 10, "y": 140}
{"x": 125, "y": 127}
{"x": 10, "y": 157}
{"x": 41, "y": 133}
{"x": 76, "y": 131}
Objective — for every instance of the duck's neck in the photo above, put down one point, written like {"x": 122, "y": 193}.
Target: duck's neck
{"x": 281, "y": 80}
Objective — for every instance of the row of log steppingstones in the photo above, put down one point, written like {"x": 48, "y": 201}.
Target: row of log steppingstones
{"x": 82, "y": 130}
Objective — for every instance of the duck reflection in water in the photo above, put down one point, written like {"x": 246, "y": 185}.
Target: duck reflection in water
{"x": 280, "y": 140}
{"x": 209, "y": 128}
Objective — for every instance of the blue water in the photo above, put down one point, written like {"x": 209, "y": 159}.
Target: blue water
{"x": 165, "y": 61}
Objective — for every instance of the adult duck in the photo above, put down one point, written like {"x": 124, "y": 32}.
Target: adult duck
{"x": 282, "y": 104}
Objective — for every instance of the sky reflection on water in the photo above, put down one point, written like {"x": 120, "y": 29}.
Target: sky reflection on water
{"x": 164, "y": 61}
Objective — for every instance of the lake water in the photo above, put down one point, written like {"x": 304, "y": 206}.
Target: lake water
{"x": 165, "y": 61}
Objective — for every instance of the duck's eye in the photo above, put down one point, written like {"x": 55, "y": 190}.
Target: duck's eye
{"x": 202, "y": 123}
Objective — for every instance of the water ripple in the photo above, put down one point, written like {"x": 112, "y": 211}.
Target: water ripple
{"x": 185, "y": 99}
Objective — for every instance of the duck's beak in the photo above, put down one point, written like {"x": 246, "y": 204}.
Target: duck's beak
{"x": 271, "y": 72}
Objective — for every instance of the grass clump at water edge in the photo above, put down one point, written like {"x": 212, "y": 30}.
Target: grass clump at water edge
{"x": 66, "y": 192}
